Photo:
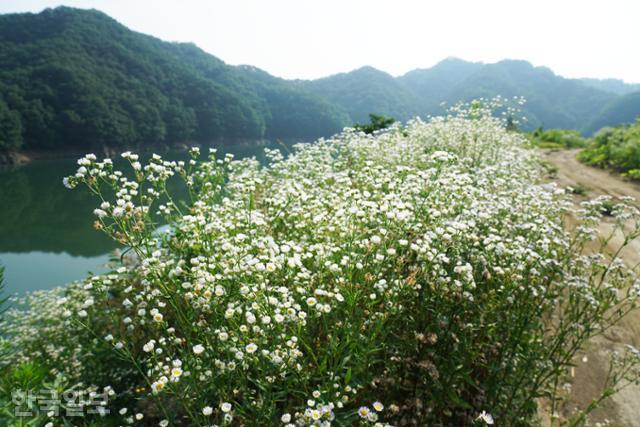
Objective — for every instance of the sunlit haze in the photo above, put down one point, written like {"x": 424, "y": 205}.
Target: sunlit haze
{"x": 310, "y": 39}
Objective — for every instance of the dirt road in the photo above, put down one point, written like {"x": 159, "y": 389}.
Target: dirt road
{"x": 598, "y": 181}
{"x": 624, "y": 408}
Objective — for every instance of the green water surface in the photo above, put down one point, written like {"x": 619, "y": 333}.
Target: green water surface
{"x": 46, "y": 231}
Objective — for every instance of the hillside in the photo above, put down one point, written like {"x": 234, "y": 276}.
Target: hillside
{"x": 552, "y": 101}
{"x": 367, "y": 90}
{"x": 616, "y": 86}
{"x": 434, "y": 85}
{"x": 78, "y": 78}
{"x": 621, "y": 110}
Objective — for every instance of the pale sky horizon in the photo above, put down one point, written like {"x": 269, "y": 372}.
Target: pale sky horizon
{"x": 310, "y": 38}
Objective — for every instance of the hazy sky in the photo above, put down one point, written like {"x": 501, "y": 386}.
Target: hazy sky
{"x": 314, "y": 38}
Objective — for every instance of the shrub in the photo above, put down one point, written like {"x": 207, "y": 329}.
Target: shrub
{"x": 419, "y": 277}
{"x": 616, "y": 148}
{"x": 556, "y": 138}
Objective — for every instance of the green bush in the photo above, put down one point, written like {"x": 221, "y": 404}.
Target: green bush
{"x": 556, "y": 138}
{"x": 422, "y": 276}
{"x": 616, "y": 148}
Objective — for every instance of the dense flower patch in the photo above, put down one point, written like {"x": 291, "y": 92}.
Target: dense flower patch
{"x": 420, "y": 276}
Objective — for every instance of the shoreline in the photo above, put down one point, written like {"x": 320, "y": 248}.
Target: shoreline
{"x": 22, "y": 157}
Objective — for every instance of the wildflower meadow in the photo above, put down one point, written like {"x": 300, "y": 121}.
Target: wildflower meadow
{"x": 424, "y": 275}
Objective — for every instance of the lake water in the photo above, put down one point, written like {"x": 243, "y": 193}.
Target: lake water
{"x": 46, "y": 231}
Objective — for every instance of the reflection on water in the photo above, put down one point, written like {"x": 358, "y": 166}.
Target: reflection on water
{"x": 30, "y": 271}
{"x": 46, "y": 231}
{"x": 39, "y": 214}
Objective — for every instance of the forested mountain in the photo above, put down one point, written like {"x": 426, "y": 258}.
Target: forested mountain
{"x": 552, "y": 101}
{"x": 434, "y": 85}
{"x": 367, "y": 90}
{"x": 622, "y": 110}
{"x": 72, "y": 78}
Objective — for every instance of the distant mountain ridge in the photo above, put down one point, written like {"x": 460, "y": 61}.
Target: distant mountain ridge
{"x": 78, "y": 78}
{"x": 552, "y": 101}
{"x": 366, "y": 90}
{"x": 616, "y": 86}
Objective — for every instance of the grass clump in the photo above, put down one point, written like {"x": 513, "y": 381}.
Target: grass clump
{"x": 578, "y": 189}
{"x": 422, "y": 276}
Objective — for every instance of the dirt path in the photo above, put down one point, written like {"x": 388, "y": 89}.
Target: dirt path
{"x": 572, "y": 172}
{"x": 623, "y": 409}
